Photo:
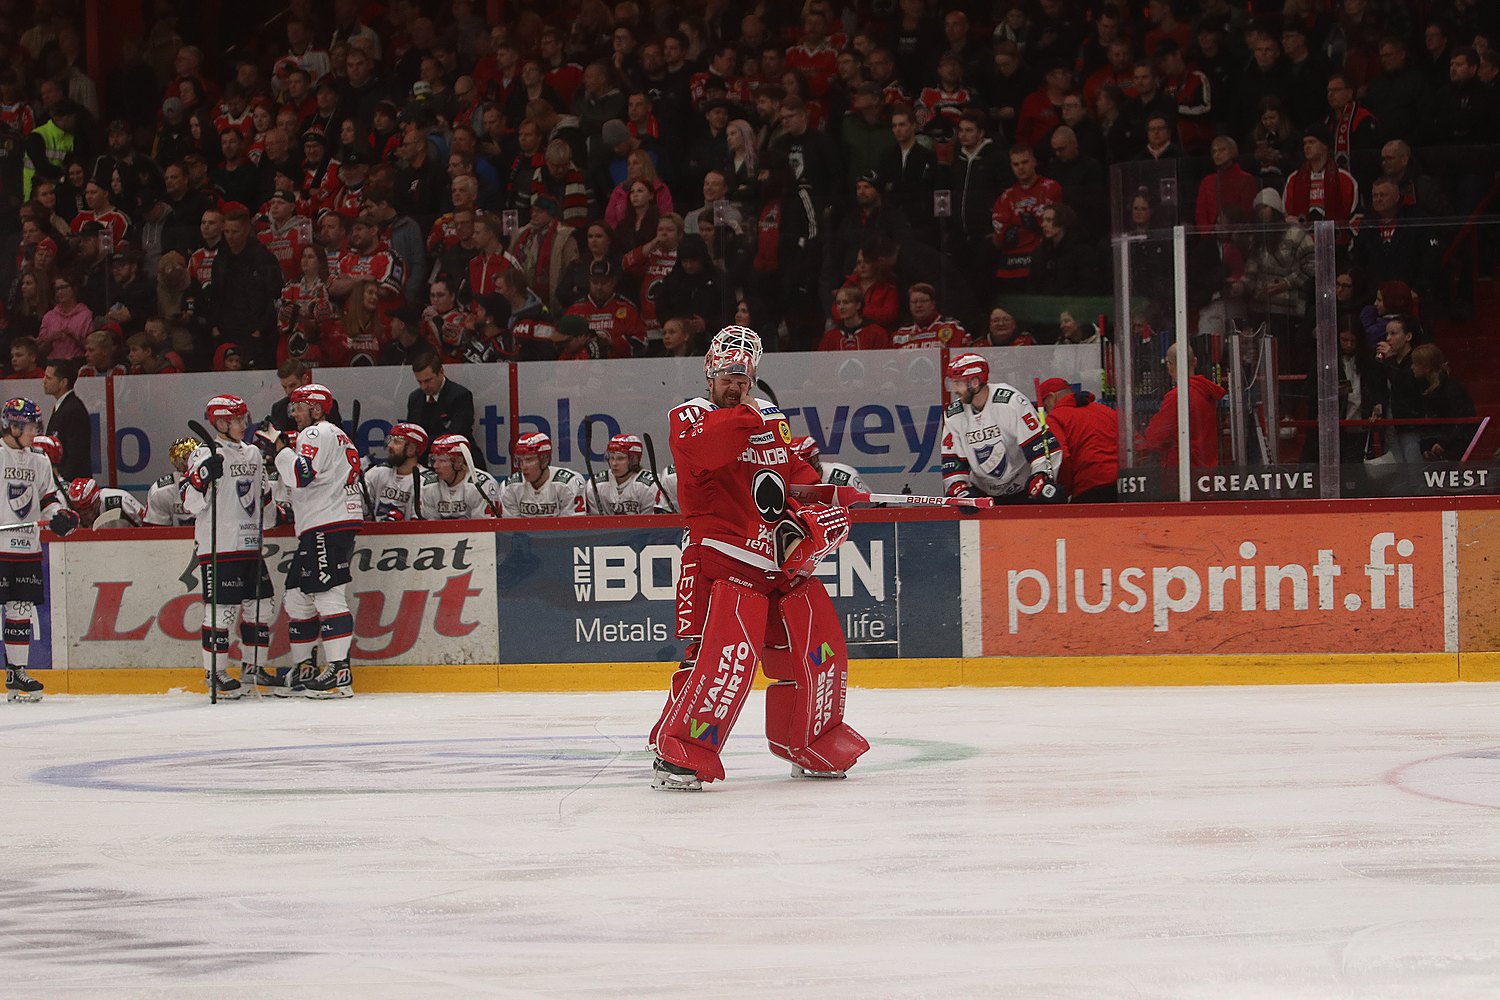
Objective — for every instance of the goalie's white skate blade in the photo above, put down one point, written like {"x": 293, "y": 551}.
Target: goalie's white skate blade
{"x": 802, "y": 772}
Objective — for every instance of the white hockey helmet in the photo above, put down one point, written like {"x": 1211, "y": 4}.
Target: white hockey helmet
{"x": 735, "y": 350}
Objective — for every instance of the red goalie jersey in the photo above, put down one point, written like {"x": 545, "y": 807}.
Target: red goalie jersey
{"x": 725, "y": 458}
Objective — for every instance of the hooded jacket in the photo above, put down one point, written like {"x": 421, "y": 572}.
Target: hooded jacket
{"x": 1203, "y": 425}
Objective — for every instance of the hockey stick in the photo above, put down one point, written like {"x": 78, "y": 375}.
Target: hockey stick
{"x": 213, "y": 567}
{"x": 26, "y": 524}
{"x": 844, "y": 496}
{"x": 588, "y": 462}
{"x": 761, "y": 384}
{"x": 651, "y": 457}
{"x": 364, "y": 492}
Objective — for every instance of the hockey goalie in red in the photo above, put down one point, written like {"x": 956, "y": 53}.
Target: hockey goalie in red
{"x": 746, "y": 592}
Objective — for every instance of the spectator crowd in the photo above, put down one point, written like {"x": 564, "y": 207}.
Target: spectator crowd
{"x": 360, "y": 183}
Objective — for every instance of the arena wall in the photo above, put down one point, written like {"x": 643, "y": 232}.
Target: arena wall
{"x": 1222, "y": 593}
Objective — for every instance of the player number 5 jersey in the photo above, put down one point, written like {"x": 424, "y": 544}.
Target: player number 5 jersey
{"x": 996, "y": 450}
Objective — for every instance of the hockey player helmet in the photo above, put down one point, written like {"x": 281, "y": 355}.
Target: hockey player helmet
{"x": 83, "y": 494}
{"x": 414, "y": 434}
{"x": 180, "y": 450}
{"x": 225, "y": 407}
{"x": 314, "y": 392}
{"x": 18, "y": 412}
{"x": 627, "y": 444}
{"x": 967, "y": 366}
{"x": 735, "y": 350}
{"x": 806, "y": 447}
{"x": 49, "y": 446}
{"x": 535, "y": 443}
{"x": 449, "y": 445}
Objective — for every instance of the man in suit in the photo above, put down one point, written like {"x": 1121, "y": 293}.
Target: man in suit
{"x": 70, "y": 421}
{"x": 440, "y": 405}
{"x": 293, "y": 374}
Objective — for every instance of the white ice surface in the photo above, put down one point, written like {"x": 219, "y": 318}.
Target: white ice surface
{"x": 1285, "y": 842}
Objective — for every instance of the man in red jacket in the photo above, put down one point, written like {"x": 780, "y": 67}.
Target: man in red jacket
{"x": 1203, "y": 419}
{"x": 1090, "y": 436}
{"x": 745, "y": 591}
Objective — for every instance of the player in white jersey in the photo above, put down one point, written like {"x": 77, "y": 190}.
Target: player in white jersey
{"x": 458, "y": 490}
{"x": 102, "y": 508}
{"x": 666, "y": 491}
{"x": 234, "y": 470}
{"x": 539, "y": 489}
{"x": 623, "y": 488}
{"x": 164, "y": 503}
{"x": 836, "y": 473}
{"x": 30, "y": 496}
{"x": 994, "y": 442}
{"x": 322, "y": 478}
{"x": 401, "y": 490}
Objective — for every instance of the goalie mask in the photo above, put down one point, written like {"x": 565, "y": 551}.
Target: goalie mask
{"x": 735, "y": 350}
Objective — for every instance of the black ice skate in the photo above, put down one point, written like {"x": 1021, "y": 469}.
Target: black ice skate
{"x": 674, "y": 778}
{"x": 335, "y": 680}
{"x": 300, "y": 676}
{"x": 798, "y": 771}
{"x": 21, "y": 686}
{"x": 229, "y": 688}
{"x": 261, "y": 680}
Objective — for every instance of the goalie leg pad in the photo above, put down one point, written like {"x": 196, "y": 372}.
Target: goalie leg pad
{"x": 690, "y": 584}
{"x": 701, "y": 716}
{"x": 679, "y": 679}
{"x": 805, "y": 707}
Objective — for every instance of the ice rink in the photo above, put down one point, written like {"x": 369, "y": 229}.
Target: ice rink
{"x": 1280, "y": 842}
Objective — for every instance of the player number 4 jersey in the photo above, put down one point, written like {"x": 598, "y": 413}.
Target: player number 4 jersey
{"x": 559, "y": 495}
{"x": 636, "y": 495}
{"x": 243, "y": 500}
{"x": 995, "y": 451}
{"x": 321, "y": 473}
{"x": 479, "y": 494}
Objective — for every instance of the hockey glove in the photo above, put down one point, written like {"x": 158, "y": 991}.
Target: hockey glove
{"x": 1042, "y": 489}
{"x": 210, "y": 470}
{"x": 270, "y": 441}
{"x": 64, "y": 522}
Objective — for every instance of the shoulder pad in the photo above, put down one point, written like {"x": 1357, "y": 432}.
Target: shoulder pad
{"x": 111, "y": 502}
{"x": 954, "y": 409}
{"x": 601, "y": 476}
{"x": 560, "y": 475}
{"x": 646, "y": 477}
{"x": 166, "y": 481}
{"x": 767, "y": 408}
{"x": 1003, "y": 395}
{"x": 838, "y": 477}
{"x": 514, "y": 477}
{"x": 428, "y": 476}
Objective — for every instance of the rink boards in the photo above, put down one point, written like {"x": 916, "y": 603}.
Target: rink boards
{"x": 1314, "y": 592}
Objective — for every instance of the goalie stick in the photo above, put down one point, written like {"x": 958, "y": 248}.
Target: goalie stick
{"x": 844, "y": 496}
